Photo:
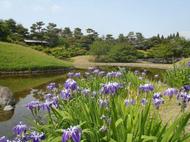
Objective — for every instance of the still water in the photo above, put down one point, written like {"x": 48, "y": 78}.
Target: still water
{"x": 21, "y": 86}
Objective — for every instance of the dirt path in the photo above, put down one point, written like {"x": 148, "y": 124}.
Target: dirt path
{"x": 83, "y": 62}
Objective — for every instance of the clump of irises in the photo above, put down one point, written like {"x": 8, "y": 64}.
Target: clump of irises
{"x": 73, "y": 133}
{"x": 157, "y": 100}
{"x": 114, "y": 74}
{"x": 71, "y": 84}
{"x": 24, "y": 134}
{"x": 51, "y": 86}
{"x": 146, "y": 87}
{"x": 103, "y": 93}
{"x": 170, "y": 92}
{"x": 110, "y": 88}
{"x": 129, "y": 102}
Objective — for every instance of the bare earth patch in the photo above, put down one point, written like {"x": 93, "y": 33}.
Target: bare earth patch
{"x": 83, "y": 62}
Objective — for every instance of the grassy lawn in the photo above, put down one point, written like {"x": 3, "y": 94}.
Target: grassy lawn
{"x": 15, "y": 57}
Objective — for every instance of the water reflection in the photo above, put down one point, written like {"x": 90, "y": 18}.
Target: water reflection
{"x": 8, "y": 119}
{"x": 6, "y": 115}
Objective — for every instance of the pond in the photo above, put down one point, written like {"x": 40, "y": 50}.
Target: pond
{"x": 21, "y": 86}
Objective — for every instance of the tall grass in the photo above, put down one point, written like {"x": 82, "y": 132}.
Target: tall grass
{"x": 178, "y": 76}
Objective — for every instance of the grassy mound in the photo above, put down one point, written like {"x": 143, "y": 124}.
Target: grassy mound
{"x": 15, "y": 57}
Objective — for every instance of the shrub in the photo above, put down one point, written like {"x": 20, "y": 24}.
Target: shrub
{"x": 178, "y": 76}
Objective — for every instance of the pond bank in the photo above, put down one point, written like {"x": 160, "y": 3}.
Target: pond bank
{"x": 83, "y": 62}
{"x": 34, "y": 72}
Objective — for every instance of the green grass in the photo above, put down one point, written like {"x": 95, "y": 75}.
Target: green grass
{"x": 15, "y": 57}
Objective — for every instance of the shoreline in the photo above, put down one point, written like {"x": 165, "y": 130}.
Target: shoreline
{"x": 34, "y": 72}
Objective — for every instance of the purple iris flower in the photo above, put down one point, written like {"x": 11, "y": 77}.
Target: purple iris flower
{"x": 33, "y": 105}
{"x": 70, "y": 74}
{"x": 65, "y": 94}
{"x": 136, "y": 72}
{"x": 77, "y": 74}
{"x": 188, "y": 64}
{"x": 157, "y": 95}
{"x": 71, "y": 84}
{"x": 157, "y": 102}
{"x": 53, "y": 102}
{"x": 51, "y": 86}
{"x": 114, "y": 74}
{"x": 110, "y": 88}
{"x": 91, "y": 69}
{"x": 170, "y": 92}
{"x": 103, "y": 103}
{"x": 129, "y": 102}
{"x": 48, "y": 96}
{"x": 85, "y": 92}
{"x": 36, "y": 136}
{"x": 96, "y": 71}
{"x": 20, "y": 128}
{"x": 73, "y": 133}
{"x": 186, "y": 87}
{"x": 184, "y": 97}
{"x": 144, "y": 101}
{"x": 3, "y": 139}
{"x": 146, "y": 87}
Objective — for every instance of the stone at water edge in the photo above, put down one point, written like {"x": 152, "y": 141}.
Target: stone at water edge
{"x": 6, "y": 97}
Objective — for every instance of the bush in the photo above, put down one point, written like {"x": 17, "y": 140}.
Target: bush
{"x": 123, "y": 53}
{"x": 100, "y": 48}
{"x": 178, "y": 76}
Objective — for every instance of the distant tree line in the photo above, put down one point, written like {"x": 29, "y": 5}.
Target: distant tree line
{"x": 10, "y": 31}
{"x": 124, "y": 48}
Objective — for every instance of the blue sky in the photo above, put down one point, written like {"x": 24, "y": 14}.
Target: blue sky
{"x": 105, "y": 16}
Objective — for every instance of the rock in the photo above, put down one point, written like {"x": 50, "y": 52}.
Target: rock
{"x": 8, "y": 108}
{"x": 6, "y": 97}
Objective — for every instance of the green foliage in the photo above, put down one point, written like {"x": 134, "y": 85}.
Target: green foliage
{"x": 178, "y": 76}
{"x": 100, "y": 48}
{"x": 62, "y": 53}
{"x": 161, "y": 51}
{"x": 16, "y": 57}
{"x": 123, "y": 53}
{"x": 118, "y": 52}
{"x": 10, "y": 31}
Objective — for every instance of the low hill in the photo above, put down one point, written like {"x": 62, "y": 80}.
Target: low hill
{"x": 15, "y": 57}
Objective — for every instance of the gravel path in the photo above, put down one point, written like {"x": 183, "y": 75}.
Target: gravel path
{"x": 83, "y": 62}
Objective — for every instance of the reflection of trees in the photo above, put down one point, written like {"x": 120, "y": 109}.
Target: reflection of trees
{"x": 6, "y": 115}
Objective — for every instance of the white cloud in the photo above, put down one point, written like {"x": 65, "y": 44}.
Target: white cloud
{"x": 38, "y": 8}
{"x": 55, "y": 8}
{"x": 5, "y": 4}
{"x": 185, "y": 34}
